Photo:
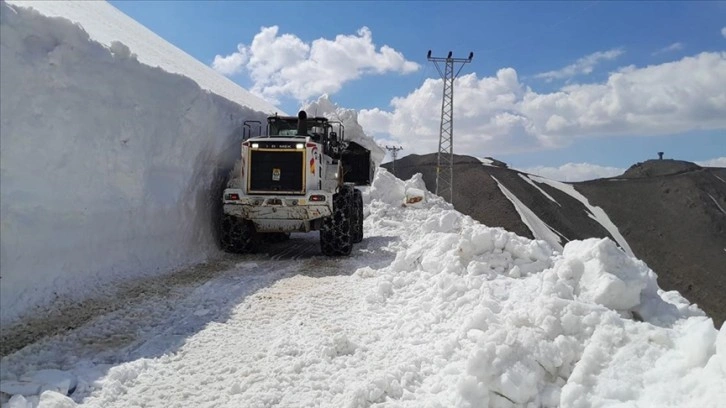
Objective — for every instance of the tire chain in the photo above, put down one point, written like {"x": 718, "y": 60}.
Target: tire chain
{"x": 357, "y": 216}
{"x": 237, "y": 235}
{"x": 335, "y": 236}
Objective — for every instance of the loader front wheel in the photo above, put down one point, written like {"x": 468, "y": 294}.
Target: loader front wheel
{"x": 336, "y": 238}
{"x": 238, "y": 235}
{"x": 357, "y": 216}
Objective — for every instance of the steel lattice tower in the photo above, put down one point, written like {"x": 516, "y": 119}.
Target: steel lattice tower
{"x": 445, "y": 159}
{"x": 394, "y": 152}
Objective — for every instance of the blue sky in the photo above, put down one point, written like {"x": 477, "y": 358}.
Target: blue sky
{"x": 594, "y": 39}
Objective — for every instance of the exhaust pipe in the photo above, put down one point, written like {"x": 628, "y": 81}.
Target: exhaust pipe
{"x": 302, "y": 123}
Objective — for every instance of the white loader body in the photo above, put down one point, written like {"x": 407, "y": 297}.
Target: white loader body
{"x": 283, "y": 197}
{"x": 300, "y": 177}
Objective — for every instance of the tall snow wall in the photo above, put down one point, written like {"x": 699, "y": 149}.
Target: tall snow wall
{"x": 110, "y": 169}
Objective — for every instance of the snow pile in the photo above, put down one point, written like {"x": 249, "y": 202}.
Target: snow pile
{"x": 114, "y": 29}
{"x": 496, "y": 319}
{"x": 440, "y": 311}
{"x": 349, "y": 117}
{"x": 109, "y": 166}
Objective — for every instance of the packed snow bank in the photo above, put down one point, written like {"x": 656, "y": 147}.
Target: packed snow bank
{"x": 349, "y": 117}
{"x": 108, "y": 166}
{"x": 114, "y": 29}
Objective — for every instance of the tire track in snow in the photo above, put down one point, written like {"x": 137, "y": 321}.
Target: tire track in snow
{"x": 154, "y": 317}
{"x": 65, "y": 316}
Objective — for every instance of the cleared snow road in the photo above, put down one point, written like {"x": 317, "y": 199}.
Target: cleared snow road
{"x": 270, "y": 294}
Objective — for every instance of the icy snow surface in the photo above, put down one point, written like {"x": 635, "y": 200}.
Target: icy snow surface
{"x": 539, "y": 228}
{"x": 108, "y": 165}
{"x": 596, "y": 213}
{"x": 432, "y": 309}
{"x": 106, "y": 24}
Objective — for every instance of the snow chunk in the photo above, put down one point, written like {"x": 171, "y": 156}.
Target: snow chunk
{"x": 52, "y": 399}
{"x": 605, "y": 275}
{"x": 35, "y": 383}
{"x": 387, "y": 188}
{"x": 121, "y": 51}
{"x": 341, "y": 346}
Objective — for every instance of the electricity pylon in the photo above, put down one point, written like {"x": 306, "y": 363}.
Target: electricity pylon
{"x": 394, "y": 152}
{"x": 445, "y": 159}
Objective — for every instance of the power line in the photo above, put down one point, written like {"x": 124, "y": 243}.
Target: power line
{"x": 445, "y": 159}
{"x": 394, "y": 152}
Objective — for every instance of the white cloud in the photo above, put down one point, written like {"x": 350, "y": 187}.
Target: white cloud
{"x": 231, "y": 64}
{"x": 575, "y": 171}
{"x": 723, "y": 32}
{"x": 676, "y": 46}
{"x": 717, "y": 162}
{"x": 285, "y": 65}
{"x": 499, "y": 114}
{"x": 584, "y": 65}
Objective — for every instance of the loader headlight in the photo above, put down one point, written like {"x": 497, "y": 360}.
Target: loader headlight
{"x": 255, "y": 145}
{"x": 299, "y": 146}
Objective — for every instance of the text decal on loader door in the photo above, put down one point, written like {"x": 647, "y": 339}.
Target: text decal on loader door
{"x": 276, "y": 174}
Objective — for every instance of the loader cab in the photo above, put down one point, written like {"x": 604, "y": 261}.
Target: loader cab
{"x": 291, "y": 126}
{"x": 318, "y": 128}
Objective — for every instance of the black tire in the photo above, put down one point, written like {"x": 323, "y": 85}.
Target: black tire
{"x": 238, "y": 236}
{"x": 357, "y": 216}
{"x": 336, "y": 237}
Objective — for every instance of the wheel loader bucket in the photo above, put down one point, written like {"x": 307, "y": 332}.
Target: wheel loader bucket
{"x": 357, "y": 165}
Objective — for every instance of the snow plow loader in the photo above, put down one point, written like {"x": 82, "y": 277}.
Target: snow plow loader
{"x": 298, "y": 177}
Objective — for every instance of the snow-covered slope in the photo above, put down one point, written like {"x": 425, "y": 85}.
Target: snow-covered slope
{"x": 596, "y": 213}
{"x": 431, "y": 310}
{"x": 539, "y": 228}
{"x": 108, "y": 165}
{"x": 106, "y": 24}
